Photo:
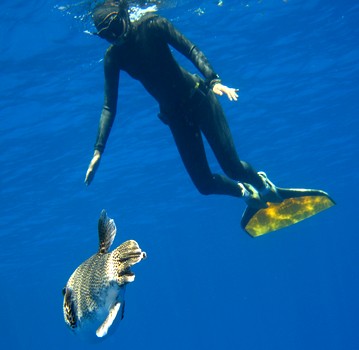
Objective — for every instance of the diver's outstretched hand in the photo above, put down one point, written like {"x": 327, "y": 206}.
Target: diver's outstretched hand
{"x": 231, "y": 93}
{"x": 94, "y": 164}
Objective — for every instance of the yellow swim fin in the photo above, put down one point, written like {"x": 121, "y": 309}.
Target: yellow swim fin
{"x": 297, "y": 205}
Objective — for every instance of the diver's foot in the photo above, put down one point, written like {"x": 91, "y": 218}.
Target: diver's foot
{"x": 269, "y": 193}
{"x": 251, "y": 196}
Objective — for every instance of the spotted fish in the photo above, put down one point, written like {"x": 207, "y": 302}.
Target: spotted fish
{"x": 94, "y": 294}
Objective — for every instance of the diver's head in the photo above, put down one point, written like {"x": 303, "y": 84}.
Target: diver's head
{"x": 112, "y": 21}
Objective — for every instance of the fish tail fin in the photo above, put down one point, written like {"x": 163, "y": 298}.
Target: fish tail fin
{"x": 124, "y": 256}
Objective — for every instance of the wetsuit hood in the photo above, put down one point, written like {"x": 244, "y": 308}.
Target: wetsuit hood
{"x": 112, "y": 20}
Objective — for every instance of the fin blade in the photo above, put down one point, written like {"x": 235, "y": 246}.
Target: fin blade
{"x": 287, "y": 193}
{"x": 106, "y": 232}
{"x": 298, "y": 205}
{"x": 103, "y": 329}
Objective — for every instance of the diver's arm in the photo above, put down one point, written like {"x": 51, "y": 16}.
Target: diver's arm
{"x": 104, "y": 128}
{"x": 107, "y": 116}
{"x": 178, "y": 41}
{"x": 112, "y": 77}
{"x": 213, "y": 80}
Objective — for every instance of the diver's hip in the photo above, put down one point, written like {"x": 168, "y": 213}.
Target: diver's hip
{"x": 188, "y": 104}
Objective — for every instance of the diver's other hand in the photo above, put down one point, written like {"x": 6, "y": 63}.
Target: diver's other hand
{"x": 231, "y": 93}
{"x": 94, "y": 164}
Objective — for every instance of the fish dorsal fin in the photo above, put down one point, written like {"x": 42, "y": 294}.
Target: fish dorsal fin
{"x": 106, "y": 232}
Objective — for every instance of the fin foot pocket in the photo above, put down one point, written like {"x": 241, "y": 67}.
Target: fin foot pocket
{"x": 251, "y": 196}
{"x": 269, "y": 193}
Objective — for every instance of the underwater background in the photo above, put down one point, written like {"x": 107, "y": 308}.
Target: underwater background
{"x": 206, "y": 284}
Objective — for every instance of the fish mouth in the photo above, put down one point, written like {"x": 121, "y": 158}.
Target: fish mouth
{"x": 128, "y": 272}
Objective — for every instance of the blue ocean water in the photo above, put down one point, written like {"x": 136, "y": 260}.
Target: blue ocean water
{"x": 206, "y": 284}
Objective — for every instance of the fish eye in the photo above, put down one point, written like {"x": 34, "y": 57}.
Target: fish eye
{"x": 64, "y": 291}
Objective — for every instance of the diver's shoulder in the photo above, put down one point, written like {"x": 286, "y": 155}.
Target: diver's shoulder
{"x": 111, "y": 55}
{"x": 150, "y": 19}
{"x": 109, "y": 52}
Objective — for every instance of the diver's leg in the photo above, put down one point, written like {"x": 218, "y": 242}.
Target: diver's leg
{"x": 190, "y": 146}
{"x": 214, "y": 126}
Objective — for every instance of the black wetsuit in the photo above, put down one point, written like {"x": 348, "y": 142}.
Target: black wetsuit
{"x": 187, "y": 104}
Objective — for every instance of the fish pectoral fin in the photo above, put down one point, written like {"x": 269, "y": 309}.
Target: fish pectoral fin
{"x": 69, "y": 308}
{"x": 123, "y": 310}
{"x": 103, "y": 329}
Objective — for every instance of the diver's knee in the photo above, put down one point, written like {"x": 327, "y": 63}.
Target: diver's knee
{"x": 204, "y": 188}
{"x": 232, "y": 174}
